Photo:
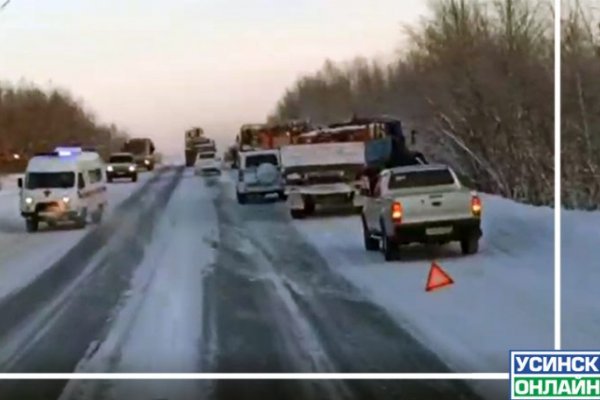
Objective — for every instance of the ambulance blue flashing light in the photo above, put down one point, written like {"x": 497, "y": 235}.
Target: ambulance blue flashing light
{"x": 68, "y": 151}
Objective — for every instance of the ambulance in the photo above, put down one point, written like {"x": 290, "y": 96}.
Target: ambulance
{"x": 67, "y": 185}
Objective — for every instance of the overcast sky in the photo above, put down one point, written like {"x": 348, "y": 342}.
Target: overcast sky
{"x": 159, "y": 67}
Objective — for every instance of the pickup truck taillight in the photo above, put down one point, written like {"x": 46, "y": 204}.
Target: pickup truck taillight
{"x": 476, "y": 206}
{"x": 397, "y": 212}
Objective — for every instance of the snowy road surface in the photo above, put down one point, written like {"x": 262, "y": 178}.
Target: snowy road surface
{"x": 180, "y": 278}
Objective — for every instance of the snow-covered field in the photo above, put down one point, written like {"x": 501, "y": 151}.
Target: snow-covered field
{"x": 580, "y": 280}
{"x": 502, "y": 298}
{"x": 23, "y": 256}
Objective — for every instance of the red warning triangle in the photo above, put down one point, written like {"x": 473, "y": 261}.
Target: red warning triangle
{"x": 438, "y": 278}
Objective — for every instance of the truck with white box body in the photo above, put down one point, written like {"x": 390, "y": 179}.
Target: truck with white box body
{"x": 323, "y": 175}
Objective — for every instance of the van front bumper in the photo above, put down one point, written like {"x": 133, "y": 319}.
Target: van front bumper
{"x": 54, "y": 216}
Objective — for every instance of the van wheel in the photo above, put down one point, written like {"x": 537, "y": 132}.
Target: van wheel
{"x": 82, "y": 219}
{"x": 32, "y": 225}
{"x": 469, "y": 245}
{"x": 371, "y": 243}
{"x": 109, "y": 180}
{"x": 134, "y": 178}
{"x": 97, "y": 216}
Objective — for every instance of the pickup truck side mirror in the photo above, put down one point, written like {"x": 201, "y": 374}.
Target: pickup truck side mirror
{"x": 20, "y": 183}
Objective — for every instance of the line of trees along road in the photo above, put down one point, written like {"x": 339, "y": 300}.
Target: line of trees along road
{"x": 477, "y": 82}
{"x": 33, "y": 120}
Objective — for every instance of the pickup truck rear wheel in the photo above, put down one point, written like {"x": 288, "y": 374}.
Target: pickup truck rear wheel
{"x": 389, "y": 246}
{"x": 309, "y": 207}
{"x": 371, "y": 243}
{"x": 469, "y": 245}
{"x": 241, "y": 198}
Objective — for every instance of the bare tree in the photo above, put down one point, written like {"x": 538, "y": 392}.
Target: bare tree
{"x": 477, "y": 80}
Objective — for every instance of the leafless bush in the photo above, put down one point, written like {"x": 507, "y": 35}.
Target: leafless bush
{"x": 477, "y": 81}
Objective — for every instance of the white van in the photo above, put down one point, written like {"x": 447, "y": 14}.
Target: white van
{"x": 207, "y": 162}
{"x": 67, "y": 185}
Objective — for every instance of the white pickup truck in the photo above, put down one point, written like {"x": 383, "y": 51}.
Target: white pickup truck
{"x": 420, "y": 204}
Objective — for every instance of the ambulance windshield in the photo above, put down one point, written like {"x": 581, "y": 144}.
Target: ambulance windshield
{"x": 42, "y": 180}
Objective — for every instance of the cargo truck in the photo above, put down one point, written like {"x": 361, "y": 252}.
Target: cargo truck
{"x": 143, "y": 152}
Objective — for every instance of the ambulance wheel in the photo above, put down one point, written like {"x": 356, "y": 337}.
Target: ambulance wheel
{"x": 82, "y": 220}
{"x": 97, "y": 216}
{"x": 32, "y": 225}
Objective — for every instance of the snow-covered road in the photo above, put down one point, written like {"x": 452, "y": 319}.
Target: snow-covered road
{"x": 181, "y": 278}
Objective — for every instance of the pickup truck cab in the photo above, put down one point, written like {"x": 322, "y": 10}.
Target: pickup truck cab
{"x": 420, "y": 204}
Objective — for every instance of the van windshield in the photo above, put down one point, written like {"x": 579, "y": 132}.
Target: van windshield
{"x": 38, "y": 180}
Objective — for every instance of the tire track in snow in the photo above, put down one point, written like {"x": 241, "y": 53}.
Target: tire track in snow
{"x": 269, "y": 277}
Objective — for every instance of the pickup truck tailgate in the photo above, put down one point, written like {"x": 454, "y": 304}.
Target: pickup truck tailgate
{"x": 454, "y": 204}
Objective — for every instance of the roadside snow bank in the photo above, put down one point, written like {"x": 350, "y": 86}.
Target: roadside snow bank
{"x": 580, "y": 280}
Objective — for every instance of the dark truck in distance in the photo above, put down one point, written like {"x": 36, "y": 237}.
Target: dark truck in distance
{"x": 143, "y": 152}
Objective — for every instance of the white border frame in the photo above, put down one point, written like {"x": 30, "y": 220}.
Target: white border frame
{"x": 379, "y": 376}
{"x": 557, "y": 177}
{"x": 255, "y": 376}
